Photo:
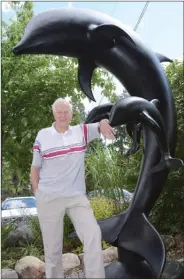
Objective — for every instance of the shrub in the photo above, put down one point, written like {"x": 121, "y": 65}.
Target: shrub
{"x": 103, "y": 207}
{"x": 103, "y": 169}
{"x": 167, "y": 215}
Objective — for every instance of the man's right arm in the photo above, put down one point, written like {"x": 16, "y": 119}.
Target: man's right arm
{"x": 36, "y": 164}
{"x": 35, "y": 173}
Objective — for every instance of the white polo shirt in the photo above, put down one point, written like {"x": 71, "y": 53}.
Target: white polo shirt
{"x": 60, "y": 157}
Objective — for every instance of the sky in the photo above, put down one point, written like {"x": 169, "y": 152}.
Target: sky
{"x": 161, "y": 27}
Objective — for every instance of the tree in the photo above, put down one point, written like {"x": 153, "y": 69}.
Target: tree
{"x": 167, "y": 214}
{"x": 30, "y": 84}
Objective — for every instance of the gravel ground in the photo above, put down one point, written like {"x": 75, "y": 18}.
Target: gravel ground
{"x": 76, "y": 272}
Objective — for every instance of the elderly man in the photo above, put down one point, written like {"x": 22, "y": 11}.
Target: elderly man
{"x": 58, "y": 182}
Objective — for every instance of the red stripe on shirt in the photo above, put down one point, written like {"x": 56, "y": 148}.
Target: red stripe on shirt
{"x": 36, "y": 147}
{"x": 85, "y": 133}
{"x": 63, "y": 152}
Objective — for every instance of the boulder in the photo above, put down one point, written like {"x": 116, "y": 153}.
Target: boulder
{"x": 30, "y": 267}
{"x": 110, "y": 254}
{"x": 8, "y": 273}
{"x": 22, "y": 234}
{"x": 173, "y": 270}
{"x": 169, "y": 241}
{"x": 180, "y": 240}
{"x": 70, "y": 261}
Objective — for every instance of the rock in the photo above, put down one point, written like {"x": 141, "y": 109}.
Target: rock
{"x": 180, "y": 240}
{"x": 181, "y": 261}
{"x": 169, "y": 241}
{"x": 75, "y": 273}
{"x": 173, "y": 270}
{"x": 110, "y": 254}
{"x": 81, "y": 258}
{"x": 8, "y": 273}
{"x": 30, "y": 267}
{"x": 70, "y": 260}
{"x": 22, "y": 234}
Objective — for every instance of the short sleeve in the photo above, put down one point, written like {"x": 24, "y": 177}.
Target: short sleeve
{"x": 37, "y": 158}
{"x": 91, "y": 131}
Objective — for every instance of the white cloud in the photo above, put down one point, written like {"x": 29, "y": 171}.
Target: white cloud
{"x": 70, "y": 4}
{"x": 6, "y": 8}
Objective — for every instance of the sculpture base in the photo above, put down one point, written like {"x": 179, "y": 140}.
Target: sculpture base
{"x": 121, "y": 270}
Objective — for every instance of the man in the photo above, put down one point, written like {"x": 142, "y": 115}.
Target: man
{"x": 58, "y": 182}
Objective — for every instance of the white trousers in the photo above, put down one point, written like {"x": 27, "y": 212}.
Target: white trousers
{"x": 51, "y": 211}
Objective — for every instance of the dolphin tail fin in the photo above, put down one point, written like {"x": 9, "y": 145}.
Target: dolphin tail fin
{"x": 163, "y": 58}
{"x": 140, "y": 237}
{"x": 110, "y": 227}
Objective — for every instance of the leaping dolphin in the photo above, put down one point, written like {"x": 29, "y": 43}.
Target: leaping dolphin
{"x": 98, "y": 40}
{"x": 79, "y": 33}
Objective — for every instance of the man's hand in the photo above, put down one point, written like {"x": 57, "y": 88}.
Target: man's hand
{"x": 34, "y": 178}
{"x": 106, "y": 129}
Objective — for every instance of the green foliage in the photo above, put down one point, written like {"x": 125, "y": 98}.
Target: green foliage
{"x": 103, "y": 169}
{"x": 123, "y": 140}
{"x": 6, "y": 229}
{"x": 175, "y": 74}
{"x": 108, "y": 169}
{"x": 168, "y": 214}
{"x": 103, "y": 208}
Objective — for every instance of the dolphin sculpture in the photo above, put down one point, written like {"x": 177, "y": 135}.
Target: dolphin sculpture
{"x": 98, "y": 40}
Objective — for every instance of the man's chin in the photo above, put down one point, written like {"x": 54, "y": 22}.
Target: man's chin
{"x": 63, "y": 124}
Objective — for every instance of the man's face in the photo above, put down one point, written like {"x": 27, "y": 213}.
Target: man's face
{"x": 62, "y": 114}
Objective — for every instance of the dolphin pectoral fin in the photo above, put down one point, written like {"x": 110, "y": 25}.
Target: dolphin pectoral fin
{"x": 140, "y": 237}
{"x": 85, "y": 72}
{"x": 158, "y": 131}
{"x": 163, "y": 58}
{"x": 132, "y": 150}
{"x": 109, "y": 31}
{"x": 168, "y": 162}
{"x": 134, "y": 132}
{"x": 174, "y": 163}
{"x": 155, "y": 102}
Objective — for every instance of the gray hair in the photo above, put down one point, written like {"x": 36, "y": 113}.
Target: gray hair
{"x": 63, "y": 101}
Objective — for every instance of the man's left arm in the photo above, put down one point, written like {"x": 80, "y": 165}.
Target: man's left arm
{"x": 93, "y": 130}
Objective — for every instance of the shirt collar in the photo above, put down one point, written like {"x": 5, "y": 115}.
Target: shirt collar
{"x": 55, "y": 131}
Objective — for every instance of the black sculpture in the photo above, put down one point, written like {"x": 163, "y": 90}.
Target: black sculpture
{"x": 98, "y": 40}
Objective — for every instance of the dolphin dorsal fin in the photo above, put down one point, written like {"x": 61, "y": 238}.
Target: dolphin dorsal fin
{"x": 109, "y": 31}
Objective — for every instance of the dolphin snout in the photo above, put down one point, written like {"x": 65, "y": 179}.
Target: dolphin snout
{"x": 16, "y": 50}
{"x": 19, "y": 48}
